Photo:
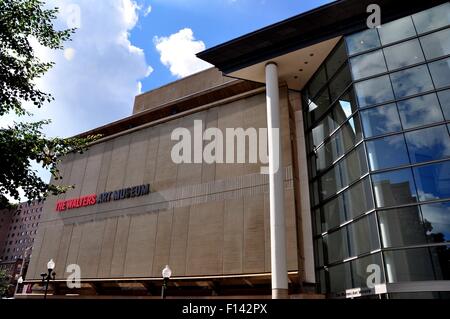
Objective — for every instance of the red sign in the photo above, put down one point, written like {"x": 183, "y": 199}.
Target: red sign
{"x": 76, "y": 202}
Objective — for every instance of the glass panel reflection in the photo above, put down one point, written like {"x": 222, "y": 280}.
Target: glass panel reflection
{"x": 339, "y": 144}
{"x": 432, "y": 19}
{"x": 397, "y": 30}
{"x": 340, "y": 82}
{"x": 318, "y": 82}
{"x": 336, "y": 60}
{"x": 381, "y": 120}
{"x": 319, "y": 106}
{"x": 363, "y": 235}
{"x": 330, "y": 183}
{"x": 350, "y": 204}
{"x": 419, "y": 111}
{"x": 428, "y": 144}
{"x": 394, "y": 188}
{"x": 433, "y": 181}
{"x": 374, "y": 91}
{"x": 345, "y": 107}
{"x": 340, "y": 277}
{"x": 368, "y": 64}
{"x": 334, "y": 213}
{"x": 402, "y": 227}
{"x": 354, "y": 166}
{"x": 436, "y": 44}
{"x": 411, "y": 81}
{"x": 437, "y": 221}
{"x": 444, "y": 98}
{"x": 403, "y": 54}
{"x": 363, "y": 41}
{"x": 440, "y": 71}
{"x": 409, "y": 265}
{"x": 387, "y": 152}
{"x": 337, "y": 246}
{"x": 358, "y": 199}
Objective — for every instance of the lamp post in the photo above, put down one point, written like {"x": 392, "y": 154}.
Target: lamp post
{"x": 24, "y": 260}
{"x": 49, "y": 276}
{"x": 166, "y": 273}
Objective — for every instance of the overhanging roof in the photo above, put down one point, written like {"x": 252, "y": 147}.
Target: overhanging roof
{"x": 326, "y": 22}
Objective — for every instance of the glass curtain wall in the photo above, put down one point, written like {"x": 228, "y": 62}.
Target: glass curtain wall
{"x": 378, "y": 143}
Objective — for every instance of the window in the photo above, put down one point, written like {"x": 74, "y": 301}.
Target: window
{"x": 333, "y": 213}
{"x": 397, "y": 30}
{"x": 403, "y": 54}
{"x": 336, "y": 60}
{"x": 337, "y": 246}
{"x": 363, "y": 41}
{"x": 432, "y": 19}
{"x": 411, "y": 81}
{"x": 387, "y": 152}
{"x": 417, "y": 264}
{"x": 437, "y": 221}
{"x": 402, "y": 227}
{"x": 436, "y": 44}
{"x": 358, "y": 199}
{"x": 350, "y": 204}
{"x": 428, "y": 144}
{"x": 319, "y": 257}
{"x": 341, "y": 111}
{"x": 318, "y": 82}
{"x": 345, "y": 107}
{"x": 330, "y": 183}
{"x": 340, "y": 277}
{"x": 419, "y": 111}
{"x": 340, "y": 83}
{"x": 444, "y": 98}
{"x": 433, "y": 181}
{"x": 363, "y": 236}
{"x": 381, "y": 120}
{"x": 368, "y": 64}
{"x": 327, "y": 154}
{"x": 440, "y": 71}
{"x": 394, "y": 188}
{"x": 354, "y": 166}
{"x": 374, "y": 91}
{"x": 319, "y": 106}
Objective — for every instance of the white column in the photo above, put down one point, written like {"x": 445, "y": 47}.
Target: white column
{"x": 276, "y": 183}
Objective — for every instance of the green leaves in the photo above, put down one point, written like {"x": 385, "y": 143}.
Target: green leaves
{"x": 21, "y": 21}
{"x": 22, "y": 144}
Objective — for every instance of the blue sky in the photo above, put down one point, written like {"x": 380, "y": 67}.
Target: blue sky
{"x": 212, "y": 22}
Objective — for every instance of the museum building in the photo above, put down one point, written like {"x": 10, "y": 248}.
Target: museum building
{"x": 360, "y": 204}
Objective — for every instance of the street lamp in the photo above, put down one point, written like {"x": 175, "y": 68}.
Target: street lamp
{"x": 50, "y": 276}
{"x": 24, "y": 260}
{"x": 166, "y": 274}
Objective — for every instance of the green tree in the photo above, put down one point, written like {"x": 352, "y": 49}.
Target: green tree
{"x": 4, "y": 283}
{"x": 22, "y": 144}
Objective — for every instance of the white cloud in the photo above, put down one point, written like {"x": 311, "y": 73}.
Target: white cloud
{"x": 177, "y": 52}
{"x": 95, "y": 78}
{"x": 69, "y": 54}
{"x": 147, "y": 11}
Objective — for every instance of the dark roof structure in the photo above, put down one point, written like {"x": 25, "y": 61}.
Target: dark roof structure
{"x": 334, "y": 19}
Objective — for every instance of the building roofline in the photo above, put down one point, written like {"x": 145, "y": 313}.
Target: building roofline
{"x": 337, "y": 18}
{"x": 169, "y": 109}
